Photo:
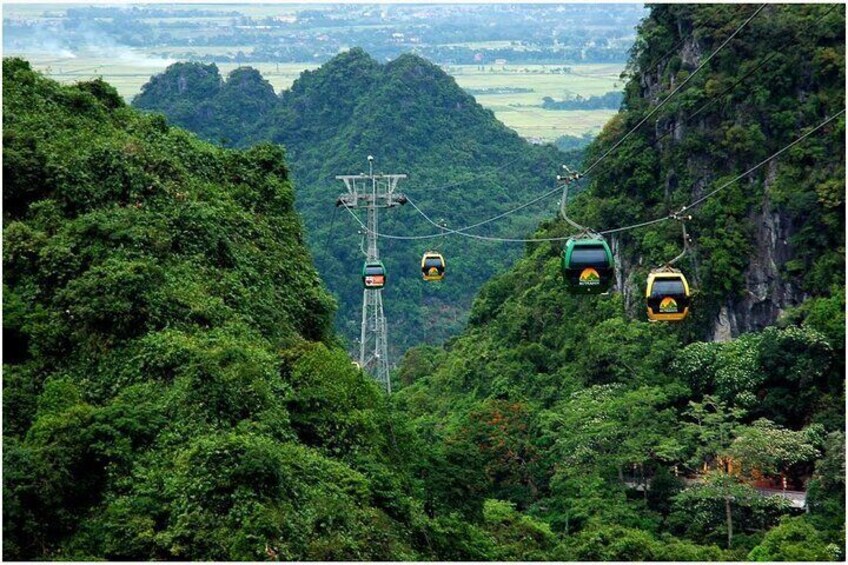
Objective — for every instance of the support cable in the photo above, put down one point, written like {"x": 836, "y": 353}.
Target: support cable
{"x": 673, "y": 215}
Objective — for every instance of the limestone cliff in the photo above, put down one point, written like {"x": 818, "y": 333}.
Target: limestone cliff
{"x": 776, "y": 237}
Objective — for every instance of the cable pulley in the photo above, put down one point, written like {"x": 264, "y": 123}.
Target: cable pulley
{"x": 566, "y": 180}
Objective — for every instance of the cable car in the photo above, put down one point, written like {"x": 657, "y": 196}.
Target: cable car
{"x": 588, "y": 266}
{"x": 433, "y": 266}
{"x": 667, "y": 296}
{"x": 374, "y": 274}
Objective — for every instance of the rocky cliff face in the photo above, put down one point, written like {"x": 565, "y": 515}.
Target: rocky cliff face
{"x": 730, "y": 92}
{"x": 768, "y": 292}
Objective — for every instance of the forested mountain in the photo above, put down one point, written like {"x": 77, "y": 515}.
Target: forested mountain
{"x": 463, "y": 165}
{"x": 198, "y": 100}
{"x": 171, "y": 385}
{"x": 581, "y": 413}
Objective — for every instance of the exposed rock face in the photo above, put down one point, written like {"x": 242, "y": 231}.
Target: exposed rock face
{"x": 691, "y": 52}
{"x": 723, "y": 326}
{"x": 624, "y": 278}
{"x": 768, "y": 294}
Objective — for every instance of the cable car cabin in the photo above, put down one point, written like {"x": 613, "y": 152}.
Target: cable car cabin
{"x": 433, "y": 266}
{"x": 374, "y": 275}
{"x": 667, "y": 295}
{"x": 588, "y": 266}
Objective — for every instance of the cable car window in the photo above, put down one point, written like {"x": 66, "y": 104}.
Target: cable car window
{"x": 588, "y": 256}
{"x": 373, "y": 270}
{"x": 430, "y": 262}
{"x": 668, "y": 287}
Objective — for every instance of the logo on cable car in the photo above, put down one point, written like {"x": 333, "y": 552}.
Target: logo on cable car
{"x": 668, "y": 305}
{"x": 433, "y": 272}
{"x": 375, "y": 280}
{"x": 589, "y": 277}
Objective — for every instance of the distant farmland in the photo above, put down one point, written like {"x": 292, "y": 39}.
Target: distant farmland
{"x": 513, "y": 93}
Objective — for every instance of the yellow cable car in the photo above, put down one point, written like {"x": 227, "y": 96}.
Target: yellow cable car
{"x": 433, "y": 266}
{"x": 667, "y": 295}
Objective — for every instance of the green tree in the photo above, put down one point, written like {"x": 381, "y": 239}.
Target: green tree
{"x": 794, "y": 539}
{"x": 710, "y": 426}
{"x": 771, "y": 449}
{"x": 720, "y": 503}
{"x": 826, "y": 491}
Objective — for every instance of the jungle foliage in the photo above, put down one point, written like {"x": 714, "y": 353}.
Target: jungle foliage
{"x": 587, "y": 417}
{"x": 172, "y": 386}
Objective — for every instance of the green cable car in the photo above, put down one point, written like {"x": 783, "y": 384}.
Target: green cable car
{"x": 588, "y": 266}
{"x": 374, "y": 275}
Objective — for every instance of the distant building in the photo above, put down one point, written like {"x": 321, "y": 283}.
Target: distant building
{"x": 500, "y": 61}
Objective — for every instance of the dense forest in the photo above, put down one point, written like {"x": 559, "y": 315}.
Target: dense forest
{"x": 634, "y": 440}
{"x": 463, "y": 165}
{"x": 174, "y": 389}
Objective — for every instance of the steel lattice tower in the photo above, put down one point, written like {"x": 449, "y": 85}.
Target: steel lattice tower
{"x": 372, "y": 192}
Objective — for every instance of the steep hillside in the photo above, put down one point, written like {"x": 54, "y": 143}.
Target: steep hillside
{"x": 774, "y": 239}
{"x": 171, "y": 385}
{"x": 563, "y": 404}
{"x": 463, "y": 166}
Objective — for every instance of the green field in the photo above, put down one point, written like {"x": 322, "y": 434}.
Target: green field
{"x": 129, "y": 70}
{"x": 585, "y": 80}
{"x": 539, "y": 124}
{"x": 522, "y": 110}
